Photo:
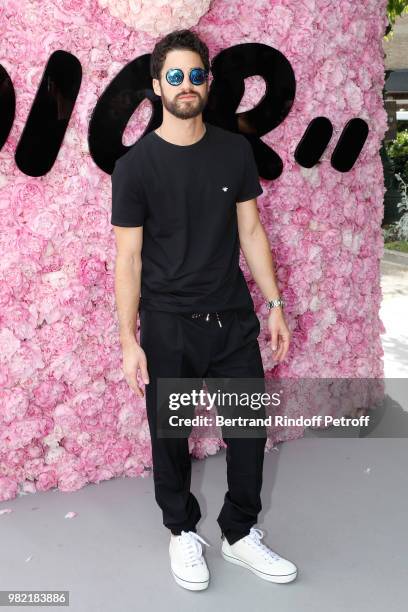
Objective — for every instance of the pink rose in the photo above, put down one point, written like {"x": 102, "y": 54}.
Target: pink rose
{"x": 47, "y": 480}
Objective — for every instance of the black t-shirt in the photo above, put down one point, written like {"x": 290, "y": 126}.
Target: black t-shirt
{"x": 185, "y": 198}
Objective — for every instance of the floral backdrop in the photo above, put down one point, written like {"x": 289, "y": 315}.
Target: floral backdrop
{"x": 67, "y": 417}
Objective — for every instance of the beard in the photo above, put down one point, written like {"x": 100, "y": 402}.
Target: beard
{"x": 185, "y": 109}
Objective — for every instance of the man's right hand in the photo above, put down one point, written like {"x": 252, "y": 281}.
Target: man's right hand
{"x": 134, "y": 359}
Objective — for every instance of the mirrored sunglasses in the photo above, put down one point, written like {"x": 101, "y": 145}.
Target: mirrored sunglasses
{"x": 175, "y": 76}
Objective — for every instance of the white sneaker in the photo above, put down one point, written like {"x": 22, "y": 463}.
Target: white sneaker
{"x": 251, "y": 553}
{"x": 188, "y": 565}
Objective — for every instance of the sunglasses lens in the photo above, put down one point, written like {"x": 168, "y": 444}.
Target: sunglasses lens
{"x": 174, "y": 76}
{"x": 198, "y": 76}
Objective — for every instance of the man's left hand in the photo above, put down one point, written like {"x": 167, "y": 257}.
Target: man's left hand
{"x": 280, "y": 334}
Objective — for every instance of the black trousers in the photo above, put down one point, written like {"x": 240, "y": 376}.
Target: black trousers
{"x": 223, "y": 344}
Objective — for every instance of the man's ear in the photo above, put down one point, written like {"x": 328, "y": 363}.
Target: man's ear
{"x": 156, "y": 87}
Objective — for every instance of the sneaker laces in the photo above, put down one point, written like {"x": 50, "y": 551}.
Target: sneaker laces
{"x": 255, "y": 535}
{"x": 191, "y": 547}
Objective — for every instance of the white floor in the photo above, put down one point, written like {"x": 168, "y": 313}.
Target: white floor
{"x": 336, "y": 507}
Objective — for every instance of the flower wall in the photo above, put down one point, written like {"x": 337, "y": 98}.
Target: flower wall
{"x": 67, "y": 417}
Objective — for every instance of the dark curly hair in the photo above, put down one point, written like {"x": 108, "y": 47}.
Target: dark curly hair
{"x": 178, "y": 39}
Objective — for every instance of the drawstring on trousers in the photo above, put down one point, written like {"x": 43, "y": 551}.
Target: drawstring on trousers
{"x": 208, "y": 316}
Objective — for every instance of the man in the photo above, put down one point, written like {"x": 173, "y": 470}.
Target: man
{"x": 183, "y": 203}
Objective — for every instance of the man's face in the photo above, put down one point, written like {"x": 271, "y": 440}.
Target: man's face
{"x": 171, "y": 95}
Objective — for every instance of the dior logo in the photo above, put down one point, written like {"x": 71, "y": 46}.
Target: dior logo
{"x": 54, "y": 102}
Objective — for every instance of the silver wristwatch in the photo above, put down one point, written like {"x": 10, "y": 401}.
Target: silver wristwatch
{"x": 272, "y": 303}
